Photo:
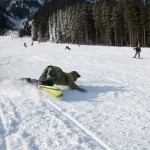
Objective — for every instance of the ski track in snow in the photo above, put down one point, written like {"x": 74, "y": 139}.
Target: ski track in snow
{"x": 56, "y": 119}
{"x": 131, "y": 86}
{"x": 114, "y": 114}
{"x": 3, "y": 144}
{"x": 94, "y": 137}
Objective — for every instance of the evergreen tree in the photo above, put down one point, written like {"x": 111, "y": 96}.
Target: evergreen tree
{"x": 106, "y": 23}
{"x": 118, "y": 24}
{"x": 143, "y": 23}
{"x": 148, "y": 22}
{"x": 113, "y": 22}
{"x": 2, "y": 23}
{"x": 97, "y": 13}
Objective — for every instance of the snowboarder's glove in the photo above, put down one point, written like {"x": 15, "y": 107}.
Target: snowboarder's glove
{"x": 82, "y": 90}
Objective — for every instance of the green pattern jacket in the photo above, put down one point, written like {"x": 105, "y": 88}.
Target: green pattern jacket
{"x": 59, "y": 77}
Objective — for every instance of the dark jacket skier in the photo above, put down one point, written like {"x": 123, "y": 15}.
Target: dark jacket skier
{"x": 137, "y": 52}
{"x": 55, "y": 75}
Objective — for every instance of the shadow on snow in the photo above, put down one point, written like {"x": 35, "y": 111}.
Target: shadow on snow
{"x": 93, "y": 93}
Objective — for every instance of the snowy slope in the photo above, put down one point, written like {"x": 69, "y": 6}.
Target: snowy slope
{"x": 114, "y": 114}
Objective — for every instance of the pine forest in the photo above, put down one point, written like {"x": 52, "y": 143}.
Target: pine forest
{"x": 106, "y": 22}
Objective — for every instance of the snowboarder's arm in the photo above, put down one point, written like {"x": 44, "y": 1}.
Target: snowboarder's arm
{"x": 82, "y": 90}
{"x": 73, "y": 86}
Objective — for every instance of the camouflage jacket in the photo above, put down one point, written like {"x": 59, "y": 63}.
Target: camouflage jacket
{"x": 59, "y": 77}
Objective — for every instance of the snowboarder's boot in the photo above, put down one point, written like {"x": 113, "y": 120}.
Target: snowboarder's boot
{"x": 28, "y": 80}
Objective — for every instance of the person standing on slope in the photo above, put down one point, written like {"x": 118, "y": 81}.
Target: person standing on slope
{"x": 55, "y": 75}
{"x": 137, "y": 51}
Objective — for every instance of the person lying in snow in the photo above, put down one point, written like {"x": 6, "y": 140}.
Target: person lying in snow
{"x": 54, "y": 75}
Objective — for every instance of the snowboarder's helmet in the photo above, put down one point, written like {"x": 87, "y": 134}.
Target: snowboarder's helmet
{"x": 75, "y": 73}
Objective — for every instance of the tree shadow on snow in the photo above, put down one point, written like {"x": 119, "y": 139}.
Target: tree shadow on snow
{"x": 93, "y": 94}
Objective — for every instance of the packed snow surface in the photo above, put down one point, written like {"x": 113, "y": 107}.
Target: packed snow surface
{"x": 113, "y": 115}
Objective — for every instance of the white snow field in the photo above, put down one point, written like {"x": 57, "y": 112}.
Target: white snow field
{"x": 113, "y": 115}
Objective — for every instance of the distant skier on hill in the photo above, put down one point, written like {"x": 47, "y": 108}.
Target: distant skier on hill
{"x": 54, "y": 75}
{"x": 68, "y": 48}
{"x": 25, "y": 45}
{"x": 137, "y": 51}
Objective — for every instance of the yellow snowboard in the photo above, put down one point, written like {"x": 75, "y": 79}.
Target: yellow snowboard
{"x": 52, "y": 90}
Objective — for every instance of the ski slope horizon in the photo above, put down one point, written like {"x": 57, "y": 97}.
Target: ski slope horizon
{"x": 113, "y": 115}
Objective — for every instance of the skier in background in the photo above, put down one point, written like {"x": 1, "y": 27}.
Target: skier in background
{"x": 137, "y": 51}
{"x": 68, "y": 48}
{"x": 25, "y": 45}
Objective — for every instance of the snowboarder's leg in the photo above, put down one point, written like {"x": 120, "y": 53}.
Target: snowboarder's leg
{"x": 51, "y": 77}
{"x": 48, "y": 83}
{"x": 138, "y": 54}
{"x": 135, "y": 54}
{"x": 35, "y": 81}
{"x": 28, "y": 80}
